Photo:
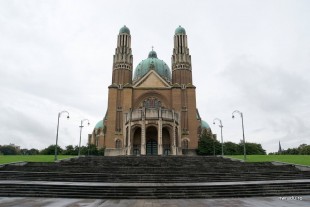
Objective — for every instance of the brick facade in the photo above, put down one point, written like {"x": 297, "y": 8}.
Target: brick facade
{"x": 154, "y": 114}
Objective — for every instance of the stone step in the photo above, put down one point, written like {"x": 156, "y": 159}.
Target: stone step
{"x": 148, "y": 178}
{"x": 78, "y": 168}
{"x": 155, "y": 192}
{"x": 152, "y": 177}
{"x": 16, "y": 174}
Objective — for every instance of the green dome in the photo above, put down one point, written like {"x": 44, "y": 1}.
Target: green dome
{"x": 204, "y": 125}
{"x": 180, "y": 30}
{"x": 99, "y": 125}
{"x": 124, "y": 29}
{"x": 152, "y": 63}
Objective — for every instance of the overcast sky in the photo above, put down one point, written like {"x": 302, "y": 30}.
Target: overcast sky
{"x": 251, "y": 56}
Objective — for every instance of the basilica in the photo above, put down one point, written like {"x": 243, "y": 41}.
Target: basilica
{"x": 151, "y": 110}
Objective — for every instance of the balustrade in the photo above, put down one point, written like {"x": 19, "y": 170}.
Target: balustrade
{"x": 151, "y": 114}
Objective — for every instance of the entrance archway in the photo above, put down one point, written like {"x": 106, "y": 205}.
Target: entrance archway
{"x": 136, "y": 142}
{"x": 151, "y": 141}
{"x": 166, "y": 141}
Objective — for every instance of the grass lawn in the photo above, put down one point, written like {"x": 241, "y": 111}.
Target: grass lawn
{"x": 295, "y": 159}
{"x": 30, "y": 158}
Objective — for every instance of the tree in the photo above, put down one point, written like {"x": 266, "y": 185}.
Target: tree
{"x": 8, "y": 150}
{"x": 24, "y": 151}
{"x": 50, "y": 150}
{"x": 89, "y": 150}
{"x": 101, "y": 152}
{"x": 70, "y": 150}
{"x": 29, "y": 152}
{"x": 208, "y": 145}
{"x": 253, "y": 148}
{"x": 231, "y": 148}
{"x": 33, "y": 151}
{"x": 93, "y": 149}
{"x": 304, "y": 149}
{"x": 289, "y": 151}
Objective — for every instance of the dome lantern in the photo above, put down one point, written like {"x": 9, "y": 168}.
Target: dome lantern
{"x": 124, "y": 29}
{"x": 180, "y": 30}
{"x": 152, "y": 54}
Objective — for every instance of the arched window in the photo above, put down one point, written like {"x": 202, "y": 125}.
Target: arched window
{"x": 151, "y": 102}
{"x": 185, "y": 144}
{"x": 118, "y": 144}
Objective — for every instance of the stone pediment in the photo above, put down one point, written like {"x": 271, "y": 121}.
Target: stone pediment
{"x": 152, "y": 80}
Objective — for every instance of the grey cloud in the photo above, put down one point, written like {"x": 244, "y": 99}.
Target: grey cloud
{"x": 17, "y": 125}
{"x": 267, "y": 88}
{"x": 57, "y": 55}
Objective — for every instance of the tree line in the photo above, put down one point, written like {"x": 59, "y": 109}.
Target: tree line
{"x": 50, "y": 150}
{"x": 208, "y": 145}
{"x": 303, "y": 149}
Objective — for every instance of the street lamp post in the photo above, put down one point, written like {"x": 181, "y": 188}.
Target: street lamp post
{"x": 213, "y": 147}
{"x": 59, "y": 114}
{"x": 221, "y": 126}
{"x": 241, "y": 114}
{"x": 81, "y": 134}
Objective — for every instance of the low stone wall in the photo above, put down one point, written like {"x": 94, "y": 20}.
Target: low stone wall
{"x": 189, "y": 152}
{"x": 113, "y": 152}
{"x": 20, "y": 163}
{"x": 232, "y": 159}
{"x": 300, "y": 167}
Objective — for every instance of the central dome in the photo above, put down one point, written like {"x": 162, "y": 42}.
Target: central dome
{"x": 152, "y": 63}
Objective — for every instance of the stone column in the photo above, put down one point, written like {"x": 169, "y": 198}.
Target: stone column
{"x": 160, "y": 136}
{"x": 129, "y": 134}
{"x": 143, "y": 146}
{"x": 174, "y": 150}
{"x": 179, "y": 139}
{"x": 160, "y": 133}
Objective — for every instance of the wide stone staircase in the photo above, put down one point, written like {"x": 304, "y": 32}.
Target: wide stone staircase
{"x": 153, "y": 177}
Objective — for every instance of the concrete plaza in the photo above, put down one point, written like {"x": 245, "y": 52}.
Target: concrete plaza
{"x": 301, "y": 201}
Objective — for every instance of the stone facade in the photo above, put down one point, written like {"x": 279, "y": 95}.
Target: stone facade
{"x": 154, "y": 112}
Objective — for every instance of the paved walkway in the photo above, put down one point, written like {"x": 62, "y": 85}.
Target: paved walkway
{"x": 301, "y": 201}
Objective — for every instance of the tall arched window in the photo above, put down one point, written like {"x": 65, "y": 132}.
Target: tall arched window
{"x": 185, "y": 144}
{"x": 118, "y": 144}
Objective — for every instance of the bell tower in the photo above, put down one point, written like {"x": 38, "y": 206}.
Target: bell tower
{"x": 120, "y": 91}
{"x": 122, "y": 60}
{"x": 181, "y": 59}
{"x": 183, "y": 90}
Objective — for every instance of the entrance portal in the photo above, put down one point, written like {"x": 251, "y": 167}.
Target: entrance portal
{"x": 137, "y": 142}
{"x": 151, "y": 141}
{"x": 166, "y": 141}
{"x": 151, "y": 147}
